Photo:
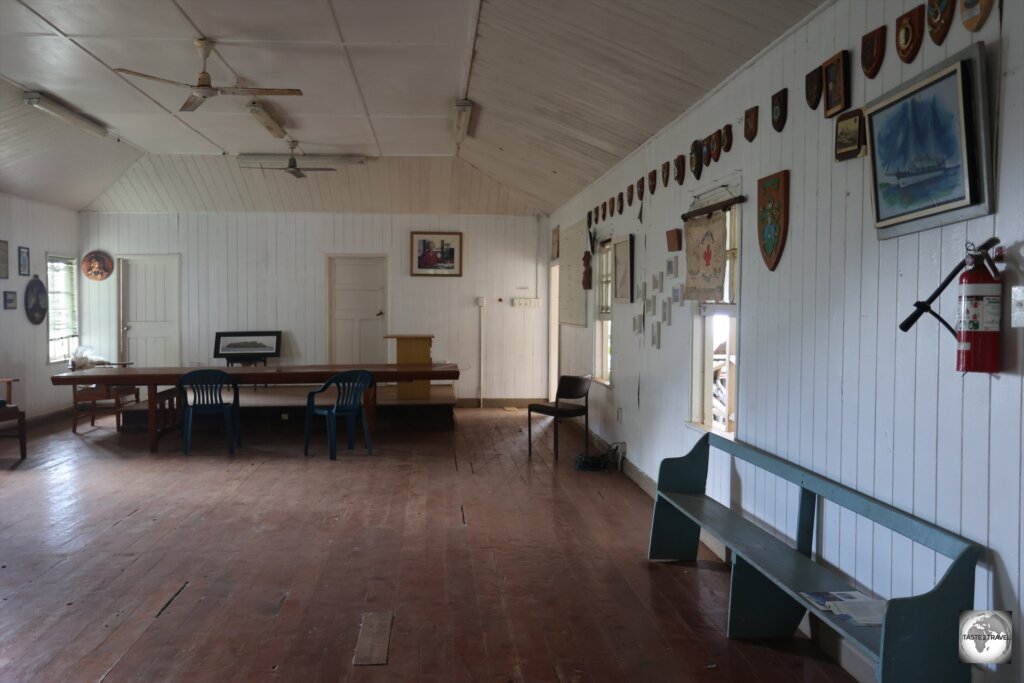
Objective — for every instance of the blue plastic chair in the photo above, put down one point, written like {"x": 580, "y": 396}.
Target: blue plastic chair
{"x": 350, "y": 386}
{"x": 206, "y": 390}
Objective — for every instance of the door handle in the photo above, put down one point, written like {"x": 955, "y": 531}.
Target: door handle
{"x": 125, "y": 328}
{"x": 380, "y": 313}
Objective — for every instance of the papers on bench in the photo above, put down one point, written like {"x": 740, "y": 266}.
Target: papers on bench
{"x": 852, "y": 606}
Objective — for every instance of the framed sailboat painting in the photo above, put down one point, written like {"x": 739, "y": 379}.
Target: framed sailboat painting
{"x": 929, "y": 143}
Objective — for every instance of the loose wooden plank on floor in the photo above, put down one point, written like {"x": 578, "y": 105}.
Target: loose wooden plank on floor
{"x": 374, "y": 638}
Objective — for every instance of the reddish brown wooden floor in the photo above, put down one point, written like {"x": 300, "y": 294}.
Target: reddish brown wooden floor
{"x": 119, "y": 565}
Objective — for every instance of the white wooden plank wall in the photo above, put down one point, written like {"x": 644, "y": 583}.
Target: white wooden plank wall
{"x": 266, "y": 271}
{"x": 825, "y": 377}
{"x": 42, "y": 228}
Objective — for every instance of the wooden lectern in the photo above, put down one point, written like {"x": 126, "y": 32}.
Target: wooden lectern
{"x": 413, "y": 349}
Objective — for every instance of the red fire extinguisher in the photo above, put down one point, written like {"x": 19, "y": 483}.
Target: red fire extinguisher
{"x": 979, "y": 306}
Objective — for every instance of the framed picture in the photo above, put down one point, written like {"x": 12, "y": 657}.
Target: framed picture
{"x": 622, "y": 250}
{"x": 97, "y": 265}
{"x": 37, "y": 302}
{"x": 10, "y": 301}
{"x": 247, "y": 345}
{"x": 436, "y": 254}
{"x": 4, "y": 261}
{"x": 23, "y": 261}
{"x": 836, "y": 74}
{"x": 554, "y": 242}
{"x": 930, "y": 148}
{"x": 850, "y": 135}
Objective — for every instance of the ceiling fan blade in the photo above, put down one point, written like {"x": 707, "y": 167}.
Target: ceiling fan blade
{"x": 259, "y": 91}
{"x": 192, "y": 103}
{"x": 313, "y": 170}
{"x": 294, "y": 172}
{"x": 129, "y": 72}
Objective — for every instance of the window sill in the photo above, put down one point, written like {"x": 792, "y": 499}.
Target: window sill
{"x": 704, "y": 429}
{"x": 607, "y": 383}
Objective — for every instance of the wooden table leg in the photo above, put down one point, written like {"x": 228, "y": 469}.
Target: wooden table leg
{"x": 154, "y": 436}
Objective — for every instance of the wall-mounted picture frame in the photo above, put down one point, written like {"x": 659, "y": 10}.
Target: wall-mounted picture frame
{"x": 436, "y": 254}
{"x": 622, "y": 252}
{"x": 930, "y": 147}
{"x": 554, "y": 241}
{"x": 672, "y": 266}
{"x": 97, "y": 265}
{"x": 24, "y": 262}
{"x": 836, "y": 76}
{"x": 37, "y": 302}
{"x": 851, "y": 136}
{"x": 5, "y": 262}
{"x": 250, "y": 345}
{"x": 10, "y": 301}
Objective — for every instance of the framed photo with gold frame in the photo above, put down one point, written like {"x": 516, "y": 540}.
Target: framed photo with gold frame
{"x": 836, "y": 76}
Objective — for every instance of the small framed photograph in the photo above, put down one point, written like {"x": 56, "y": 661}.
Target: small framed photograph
{"x": 836, "y": 73}
{"x": 851, "y": 135}
{"x": 436, "y": 254}
{"x": 669, "y": 270}
{"x": 4, "y": 261}
{"x": 652, "y": 304}
{"x": 24, "y": 265}
{"x": 10, "y": 301}
{"x": 247, "y": 345}
{"x": 677, "y": 295}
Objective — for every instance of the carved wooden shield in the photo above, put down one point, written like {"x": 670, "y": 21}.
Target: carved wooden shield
{"x": 705, "y": 150}
{"x": 664, "y": 173}
{"x": 611, "y": 206}
{"x": 910, "y": 33}
{"x": 772, "y": 216}
{"x": 597, "y": 214}
{"x": 696, "y": 156}
{"x": 629, "y": 195}
{"x": 680, "y": 168}
{"x": 640, "y": 189}
{"x": 872, "y": 51}
{"x": 812, "y": 87}
{"x": 652, "y": 181}
{"x": 973, "y": 13}
{"x": 620, "y": 203}
{"x": 716, "y": 145}
{"x": 779, "y": 110}
{"x": 940, "y": 18}
{"x": 727, "y": 137}
{"x": 604, "y": 210}
{"x": 750, "y": 124}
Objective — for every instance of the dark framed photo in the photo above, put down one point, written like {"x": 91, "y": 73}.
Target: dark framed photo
{"x": 4, "y": 261}
{"x": 23, "y": 261}
{"x": 851, "y": 136}
{"x": 836, "y": 74}
{"x": 247, "y": 345}
{"x": 10, "y": 301}
{"x": 930, "y": 147}
{"x": 436, "y": 254}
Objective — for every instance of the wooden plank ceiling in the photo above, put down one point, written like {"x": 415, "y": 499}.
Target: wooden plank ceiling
{"x": 564, "y": 91}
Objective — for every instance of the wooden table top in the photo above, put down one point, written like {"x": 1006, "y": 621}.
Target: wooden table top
{"x": 277, "y": 374}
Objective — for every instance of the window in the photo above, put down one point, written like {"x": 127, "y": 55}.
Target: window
{"x": 715, "y": 351}
{"x": 61, "y": 283}
{"x": 603, "y": 332}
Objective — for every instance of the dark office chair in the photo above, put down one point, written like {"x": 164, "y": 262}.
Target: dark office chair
{"x": 350, "y": 386}
{"x": 202, "y": 391}
{"x": 569, "y": 387}
{"x": 11, "y": 413}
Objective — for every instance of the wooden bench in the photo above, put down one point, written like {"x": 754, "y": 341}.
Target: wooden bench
{"x": 919, "y": 637}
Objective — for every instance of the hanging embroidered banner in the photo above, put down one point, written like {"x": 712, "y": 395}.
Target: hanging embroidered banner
{"x": 705, "y": 258}
{"x": 772, "y": 216}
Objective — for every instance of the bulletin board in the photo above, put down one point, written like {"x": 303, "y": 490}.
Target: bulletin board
{"x": 572, "y": 300}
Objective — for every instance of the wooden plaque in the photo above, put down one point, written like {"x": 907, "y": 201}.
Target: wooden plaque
{"x": 973, "y": 13}
{"x": 727, "y": 137}
{"x": 779, "y": 109}
{"x": 640, "y": 189}
{"x": 652, "y": 181}
{"x": 940, "y": 18}
{"x": 750, "y": 124}
{"x": 674, "y": 239}
{"x": 680, "y": 168}
{"x": 910, "y": 33}
{"x": 705, "y": 150}
{"x": 696, "y": 159}
{"x": 620, "y": 204}
{"x": 812, "y": 87}
{"x": 872, "y": 51}
{"x": 604, "y": 210}
{"x": 629, "y": 195}
{"x": 716, "y": 145}
{"x": 665, "y": 173}
{"x": 772, "y": 216}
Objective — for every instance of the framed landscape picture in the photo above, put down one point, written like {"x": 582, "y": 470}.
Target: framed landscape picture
{"x": 436, "y": 254}
{"x": 850, "y": 136}
{"x": 247, "y": 344}
{"x": 24, "y": 264}
{"x": 930, "y": 148}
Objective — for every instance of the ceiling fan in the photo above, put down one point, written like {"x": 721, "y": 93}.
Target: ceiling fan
{"x": 203, "y": 87}
{"x": 293, "y": 166}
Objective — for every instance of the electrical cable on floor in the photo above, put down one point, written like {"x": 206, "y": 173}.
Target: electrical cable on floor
{"x": 599, "y": 462}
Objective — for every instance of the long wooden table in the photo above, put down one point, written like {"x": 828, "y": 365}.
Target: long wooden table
{"x": 154, "y": 378}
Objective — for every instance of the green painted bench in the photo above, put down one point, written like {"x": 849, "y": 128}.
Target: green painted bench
{"x": 918, "y": 640}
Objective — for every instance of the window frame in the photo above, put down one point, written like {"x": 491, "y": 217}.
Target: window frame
{"x": 71, "y": 340}
{"x": 603, "y": 313}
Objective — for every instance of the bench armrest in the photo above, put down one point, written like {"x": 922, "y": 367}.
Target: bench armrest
{"x": 686, "y": 474}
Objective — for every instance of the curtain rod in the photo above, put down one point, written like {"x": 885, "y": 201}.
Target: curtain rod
{"x": 717, "y": 206}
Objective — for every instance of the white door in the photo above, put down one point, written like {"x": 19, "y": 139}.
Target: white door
{"x": 149, "y": 311}
{"x": 553, "y": 333}
{"x": 357, "y": 301}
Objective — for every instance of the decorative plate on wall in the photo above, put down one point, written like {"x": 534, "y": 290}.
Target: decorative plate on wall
{"x": 97, "y": 265}
{"x": 36, "y": 301}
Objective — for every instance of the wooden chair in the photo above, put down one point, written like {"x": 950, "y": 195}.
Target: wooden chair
{"x": 90, "y": 400}
{"x": 202, "y": 391}
{"x": 569, "y": 387}
{"x": 11, "y": 413}
{"x": 350, "y": 386}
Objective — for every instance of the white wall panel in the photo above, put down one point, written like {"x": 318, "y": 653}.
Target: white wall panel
{"x": 266, "y": 271}
{"x": 44, "y": 229}
{"x": 825, "y": 378}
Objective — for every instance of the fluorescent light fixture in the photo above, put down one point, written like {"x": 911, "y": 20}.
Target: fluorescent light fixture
{"x": 463, "y": 114}
{"x": 265, "y": 119}
{"x": 281, "y": 160}
{"x": 72, "y": 118}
